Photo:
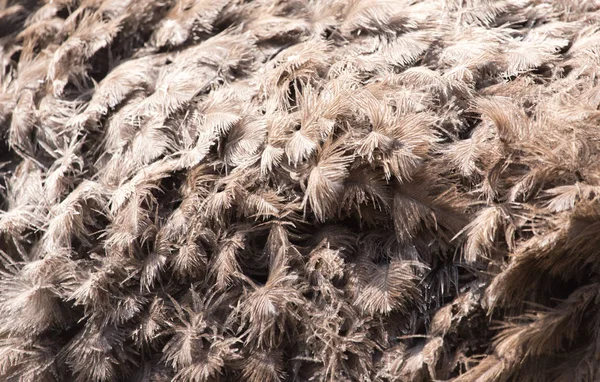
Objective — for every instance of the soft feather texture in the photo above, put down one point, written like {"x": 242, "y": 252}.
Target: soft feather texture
{"x": 323, "y": 190}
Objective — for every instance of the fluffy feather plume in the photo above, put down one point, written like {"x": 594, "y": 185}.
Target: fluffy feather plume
{"x": 324, "y": 190}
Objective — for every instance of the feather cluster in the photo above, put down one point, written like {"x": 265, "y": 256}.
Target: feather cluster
{"x": 323, "y": 190}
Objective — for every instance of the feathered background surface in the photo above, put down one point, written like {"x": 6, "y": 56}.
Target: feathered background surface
{"x": 328, "y": 190}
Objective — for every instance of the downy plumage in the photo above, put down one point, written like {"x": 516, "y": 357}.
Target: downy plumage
{"x": 323, "y": 190}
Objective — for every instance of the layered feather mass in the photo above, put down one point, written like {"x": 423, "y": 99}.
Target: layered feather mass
{"x": 315, "y": 190}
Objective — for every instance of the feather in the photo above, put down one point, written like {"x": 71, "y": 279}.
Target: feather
{"x": 386, "y": 288}
{"x": 325, "y": 181}
{"x": 185, "y": 18}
